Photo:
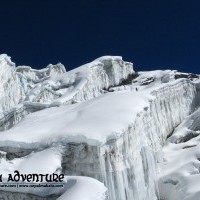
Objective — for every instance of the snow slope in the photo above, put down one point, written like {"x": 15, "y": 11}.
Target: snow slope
{"x": 180, "y": 177}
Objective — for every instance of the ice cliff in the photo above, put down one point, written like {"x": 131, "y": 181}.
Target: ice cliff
{"x": 101, "y": 120}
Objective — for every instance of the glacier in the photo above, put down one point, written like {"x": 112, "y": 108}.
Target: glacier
{"x": 180, "y": 175}
{"x": 100, "y": 124}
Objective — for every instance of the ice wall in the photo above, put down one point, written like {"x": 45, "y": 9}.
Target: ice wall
{"x": 18, "y": 84}
{"x": 10, "y": 91}
{"x": 129, "y": 165}
{"x": 90, "y": 80}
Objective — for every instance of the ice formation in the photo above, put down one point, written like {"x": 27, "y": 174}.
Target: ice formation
{"x": 180, "y": 177}
{"x": 104, "y": 121}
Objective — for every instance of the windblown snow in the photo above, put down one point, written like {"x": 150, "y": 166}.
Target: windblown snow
{"x": 115, "y": 134}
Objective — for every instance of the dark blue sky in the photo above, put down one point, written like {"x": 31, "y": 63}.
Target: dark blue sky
{"x": 157, "y": 34}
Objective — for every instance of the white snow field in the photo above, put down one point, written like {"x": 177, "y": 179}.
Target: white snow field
{"x": 115, "y": 134}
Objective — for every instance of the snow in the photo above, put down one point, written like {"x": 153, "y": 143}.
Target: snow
{"x": 103, "y": 121}
{"x": 180, "y": 177}
{"x": 33, "y": 90}
{"x": 85, "y": 188}
{"x": 9, "y": 84}
{"x": 48, "y": 161}
{"x": 111, "y": 137}
{"x": 93, "y": 122}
